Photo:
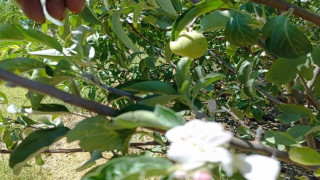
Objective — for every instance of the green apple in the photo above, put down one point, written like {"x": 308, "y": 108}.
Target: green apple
{"x": 190, "y": 44}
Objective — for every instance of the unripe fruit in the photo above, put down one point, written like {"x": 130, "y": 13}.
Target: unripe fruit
{"x": 56, "y": 8}
{"x": 190, "y": 44}
{"x": 33, "y": 9}
{"x": 75, "y": 6}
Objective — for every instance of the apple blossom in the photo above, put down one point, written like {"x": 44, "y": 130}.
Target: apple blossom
{"x": 199, "y": 143}
{"x": 261, "y": 167}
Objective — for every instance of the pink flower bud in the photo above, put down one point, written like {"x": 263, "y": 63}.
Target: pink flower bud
{"x": 201, "y": 175}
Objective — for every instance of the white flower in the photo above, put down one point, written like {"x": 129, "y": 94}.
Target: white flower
{"x": 198, "y": 142}
{"x": 304, "y": 0}
{"x": 197, "y": 131}
{"x": 255, "y": 167}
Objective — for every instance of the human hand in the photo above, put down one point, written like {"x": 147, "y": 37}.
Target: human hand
{"x": 56, "y": 8}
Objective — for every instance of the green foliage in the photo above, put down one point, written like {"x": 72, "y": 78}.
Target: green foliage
{"x": 10, "y": 32}
{"x": 292, "y": 113}
{"x": 305, "y": 156}
{"x": 284, "y": 39}
{"x": 161, "y": 118}
{"x": 130, "y": 168}
{"x": 33, "y": 145}
{"x": 278, "y": 75}
{"x": 241, "y": 30}
{"x": 97, "y": 133}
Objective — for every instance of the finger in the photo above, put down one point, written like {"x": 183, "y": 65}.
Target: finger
{"x": 33, "y": 9}
{"x": 75, "y": 6}
{"x": 56, "y": 8}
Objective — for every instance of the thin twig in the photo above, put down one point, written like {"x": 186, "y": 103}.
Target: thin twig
{"x": 309, "y": 93}
{"x": 111, "y": 89}
{"x": 257, "y": 147}
{"x": 309, "y": 137}
{"x": 56, "y": 93}
{"x": 237, "y": 119}
{"x": 5, "y": 151}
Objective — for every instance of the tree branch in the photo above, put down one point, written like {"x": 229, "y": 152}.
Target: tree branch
{"x": 56, "y": 93}
{"x": 297, "y": 11}
{"x": 5, "y": 151}
{"x": 258, "y": 147}
{"x": 236, "y": 143}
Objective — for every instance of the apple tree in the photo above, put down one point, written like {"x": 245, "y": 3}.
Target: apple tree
{"x": 179, "y": 72}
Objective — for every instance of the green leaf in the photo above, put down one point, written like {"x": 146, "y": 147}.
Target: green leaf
{"x": 97, "y": 133}
{"x": 244, "y": 70}
{"x": 167, "y": 6}
{"x": 279, "y": 75}
{"x": 206, "y": 81}
{"x": 88, "y": 16}
{"x": 284, "y": 39}
{"x": 237, "y": 112}
{"x": 161, "y": 118}
{"x": 168, "y": 117}
{"x": 216, "y": 20}
{"x": 156, "y": 87}
{"x": 299, "y": 131}
{"x": 182, "y": 71}
{"x": 118, "y": 30}
{"x": 3, "y": 98}
{"x": 249, "y": 88}
{"x": 244, "y": 132}
{"x": 195, "y": 11}
{"x": 39, "y": 160}
{"x": 50, "y": 54}
{"x": 239, "y": 32}
{"x": 10, "y": 32}
{"x": 293, "y": 112}
{"x": 276, "y": 137}
{"x": 257, "y": 114}
{"x": 317, "y": 173}
{"x": 51, "y": 109}
{"x": 316, "y": 55}
{"x": 307, "y": 69}
{"x": 136, "y": 13}
{"x": 78, "y": 37}
{"x": 33, "y": 145}
{"x": 25, "y": 121}
{"x": 162, "y": 100}
{"x": 305, "y": 156}
{"x": 19, "y": 65}
{"x": 130, "y": 168}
